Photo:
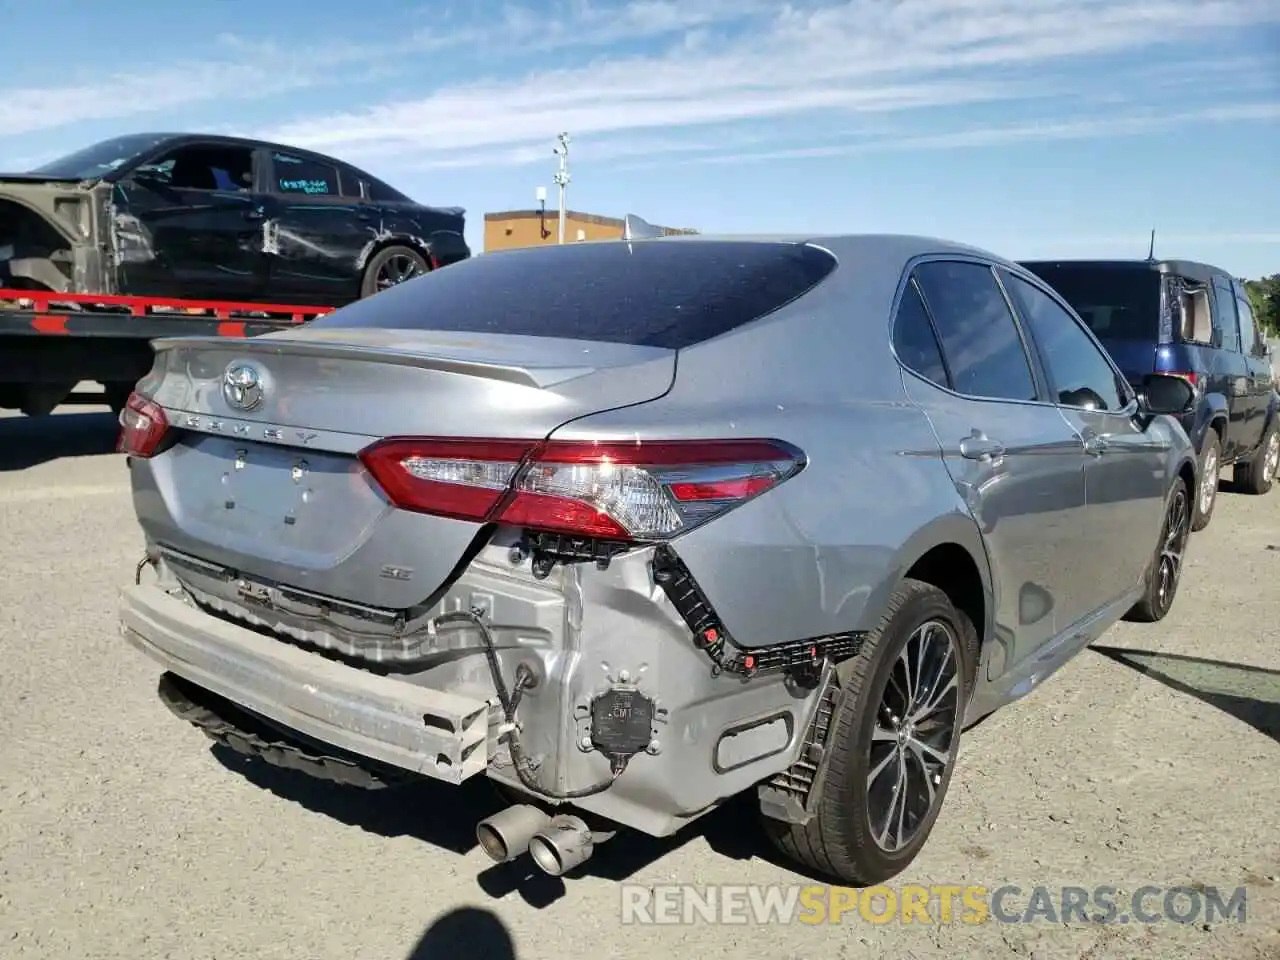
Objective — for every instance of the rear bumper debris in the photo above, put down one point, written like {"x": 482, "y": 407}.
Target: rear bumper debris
{"x": 434, "y": 733}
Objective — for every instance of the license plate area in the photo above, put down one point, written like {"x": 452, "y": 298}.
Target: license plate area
{"x": 279, "y": 502}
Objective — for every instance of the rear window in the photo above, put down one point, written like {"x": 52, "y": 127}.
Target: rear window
{"x": 651, "y": 293}
{"x": 1116, "y": 303}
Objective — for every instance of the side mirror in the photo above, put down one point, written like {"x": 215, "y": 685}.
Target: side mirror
{"x": 1162, "y": 394}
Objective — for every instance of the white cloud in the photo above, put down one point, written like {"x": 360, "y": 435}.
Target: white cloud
{"x": 750, "y": 63}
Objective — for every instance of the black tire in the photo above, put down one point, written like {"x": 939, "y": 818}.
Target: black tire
{"x": 839, "y": 841}
{"x": 1210, "y": 464}
{"x": 1257, "y": 476}
{"x": 1161, "y": 586}
{"x": 391, "y": 266}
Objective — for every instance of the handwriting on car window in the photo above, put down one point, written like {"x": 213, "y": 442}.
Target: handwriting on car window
{"x": 312, "y": 187}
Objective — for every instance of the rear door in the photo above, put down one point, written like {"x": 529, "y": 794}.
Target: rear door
{"x": 321, "y": 224}
{"x": 1259, "y": 381}
{"x": 1125, "y": 466}
{"x": 1016, "y": 460}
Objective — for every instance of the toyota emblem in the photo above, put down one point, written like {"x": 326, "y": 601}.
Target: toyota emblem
{"x": 242, "y": 386}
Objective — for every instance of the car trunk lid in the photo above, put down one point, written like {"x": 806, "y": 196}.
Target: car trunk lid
{"x": 264, "y": 484}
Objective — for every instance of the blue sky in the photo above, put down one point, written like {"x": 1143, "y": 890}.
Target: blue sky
{"x": 1031, "y": 127}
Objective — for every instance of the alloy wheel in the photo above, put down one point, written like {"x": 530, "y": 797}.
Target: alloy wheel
{"x": 397, "y": 269}
{"x": 1172, "y": 546}
{"x": 914, "y": 735}
{"x": 1271, "y": 465}
{"x": 1209, "y": 482}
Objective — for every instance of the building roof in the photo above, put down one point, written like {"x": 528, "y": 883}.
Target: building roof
{"x": 575, "y": 215}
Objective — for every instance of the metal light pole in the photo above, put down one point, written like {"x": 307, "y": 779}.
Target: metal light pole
{"x": 562, "y": 176}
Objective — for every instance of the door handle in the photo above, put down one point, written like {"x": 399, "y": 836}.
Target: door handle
{"x": 977, "y": 447}
{"x": 1095, "y": 444}
{"x": 257, "y": 213}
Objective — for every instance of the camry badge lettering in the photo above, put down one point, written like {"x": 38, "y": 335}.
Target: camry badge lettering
{"x": 242, "y": 386}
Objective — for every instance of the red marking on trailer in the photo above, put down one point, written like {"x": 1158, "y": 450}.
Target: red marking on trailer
{"x": 50, "y": 323}
{"x": 228, "y": 329}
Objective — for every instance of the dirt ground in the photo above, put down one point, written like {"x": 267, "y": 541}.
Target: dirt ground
{"x": 123, "y": 834}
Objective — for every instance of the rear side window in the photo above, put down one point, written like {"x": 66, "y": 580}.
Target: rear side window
{"x": 914, "y": 340}
{"x": 302, "y": 175}
{"x": 979, "y": 336}
{"x": 1117, "y": 303}
{"x": 655, "y": 293}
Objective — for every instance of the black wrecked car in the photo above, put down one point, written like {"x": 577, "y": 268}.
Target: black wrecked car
{"x": 219, "y": 218}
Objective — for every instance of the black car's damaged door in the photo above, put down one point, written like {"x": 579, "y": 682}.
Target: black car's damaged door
{"x": 320, "y": 226}
{"x": 189, "y": 224}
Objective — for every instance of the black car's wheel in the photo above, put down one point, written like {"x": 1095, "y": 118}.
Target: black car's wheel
{"x": 1207, "y": 494}
{"x": 895, "y": 743}
{"x": 392, "y": 266}
{"x": 1165, "y": 570}
{"x": 1257, "y": 475}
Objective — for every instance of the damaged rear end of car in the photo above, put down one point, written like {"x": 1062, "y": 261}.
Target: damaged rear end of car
{"x": 406, "y": 539}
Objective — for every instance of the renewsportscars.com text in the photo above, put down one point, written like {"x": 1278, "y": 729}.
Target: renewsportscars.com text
{"x": 932, "y": 904}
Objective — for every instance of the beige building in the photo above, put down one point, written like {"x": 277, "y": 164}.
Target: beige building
{"x": 532, "y": 228}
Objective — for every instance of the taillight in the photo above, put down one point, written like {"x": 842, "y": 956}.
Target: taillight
{"x": 142, "y": 427}
{"x": 644, "y": 490}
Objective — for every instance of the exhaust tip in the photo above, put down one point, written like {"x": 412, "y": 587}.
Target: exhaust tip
{"x": 506, "y": 835}
{"x": 566, "y": 842}
{"x": 491, "y": 842}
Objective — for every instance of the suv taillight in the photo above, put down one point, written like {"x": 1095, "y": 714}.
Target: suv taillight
{"x": 142, "y": 427}
{"x": 628, "y": 491}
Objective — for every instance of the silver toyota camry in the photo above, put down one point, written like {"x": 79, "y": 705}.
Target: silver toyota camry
{"x": 632, "y": 527}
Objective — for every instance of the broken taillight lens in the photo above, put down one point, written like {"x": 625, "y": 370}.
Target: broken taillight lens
{"x": 142, "y": 427}
{"x": 629, "y": 491}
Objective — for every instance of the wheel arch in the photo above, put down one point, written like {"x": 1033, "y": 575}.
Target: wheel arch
{"x": 950, "y": 554}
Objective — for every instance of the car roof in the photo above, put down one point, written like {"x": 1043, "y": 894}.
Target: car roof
{"x": 1191, "y": 269}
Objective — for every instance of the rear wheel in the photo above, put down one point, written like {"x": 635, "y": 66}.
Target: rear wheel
{"x": 390, "y": 267}
{"x": 895, "y": 743}
{"x": 1165, "y": 571}
{"x": 1257, "y": 475}
{"x": 1210, "y": 467}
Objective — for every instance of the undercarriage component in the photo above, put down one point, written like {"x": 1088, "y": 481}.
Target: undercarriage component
{"x": 622, "y": 721}
{"x": 252, "y": 736}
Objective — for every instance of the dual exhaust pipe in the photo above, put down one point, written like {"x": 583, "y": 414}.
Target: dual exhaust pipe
{"x": 556, "y": 844}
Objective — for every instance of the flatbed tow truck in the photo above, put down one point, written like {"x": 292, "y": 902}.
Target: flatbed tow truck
{"x": 50, "y": 342}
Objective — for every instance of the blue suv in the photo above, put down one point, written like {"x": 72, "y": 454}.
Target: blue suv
{"x": 1191, "y": 320}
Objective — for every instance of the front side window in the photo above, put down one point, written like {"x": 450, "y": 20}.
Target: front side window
{"x": 979, "y": 335}
{"x": 1248, "y": 326}
{"x": 201, "y": 167}
{"x": 1080, "y": 374}
{"x": 304, "y": 176}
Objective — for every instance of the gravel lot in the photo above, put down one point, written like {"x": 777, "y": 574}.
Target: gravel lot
{"x": 122, "y": 834}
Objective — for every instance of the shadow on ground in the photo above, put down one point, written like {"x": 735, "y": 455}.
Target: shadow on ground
{"x": 1250, "y": 694}
{"x": 445, "y": 816}
{"x": 29, "y": 441}
{"x": 465, "y": 932}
